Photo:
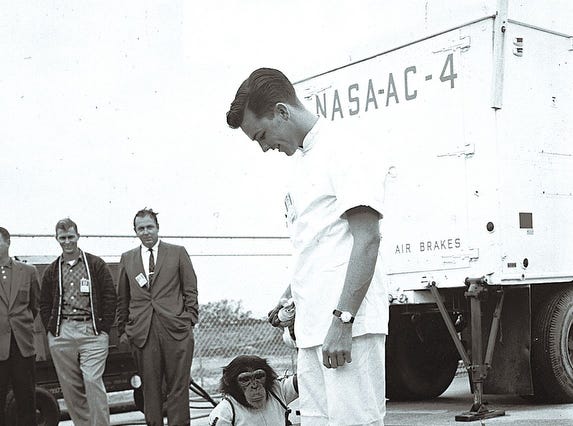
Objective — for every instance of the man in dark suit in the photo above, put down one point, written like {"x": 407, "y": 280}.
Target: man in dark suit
{"x": 19, "y": 298}
{"x": 157, "y": 310}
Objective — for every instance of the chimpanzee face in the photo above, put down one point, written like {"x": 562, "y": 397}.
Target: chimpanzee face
{"x": 252, "y": 383}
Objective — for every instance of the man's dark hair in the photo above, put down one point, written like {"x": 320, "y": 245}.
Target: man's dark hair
{"x": 65, "y": 224}
{"x": 4, "y": 234}
{"x": 146, "y": 212}
{"x": 259, "y": 93}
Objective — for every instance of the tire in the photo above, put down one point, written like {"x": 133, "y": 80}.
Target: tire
{"x": 421, "y": 358}
{"x": 552, "y": 348}
{"x": 10, "y": 407}
{"x": 47, "y": 408}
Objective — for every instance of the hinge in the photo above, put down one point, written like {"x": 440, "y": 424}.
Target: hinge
{"x": 467, "y": 150}
{"x": 462, "y": 44}
{"x": 468, "y": 255}
{"x": 471, "y": 254}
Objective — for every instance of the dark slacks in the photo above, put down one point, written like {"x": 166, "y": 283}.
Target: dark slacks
{"x": 20, "y": 372}
{"x": 165, "y": 364}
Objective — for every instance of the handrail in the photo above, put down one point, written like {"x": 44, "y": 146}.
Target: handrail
{"x": 214, "y": 237}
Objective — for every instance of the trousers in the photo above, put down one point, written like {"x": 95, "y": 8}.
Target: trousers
{"x": 20, "y": 372}
{"x": 165, "y": 367}
{"x": 79, "y": 356}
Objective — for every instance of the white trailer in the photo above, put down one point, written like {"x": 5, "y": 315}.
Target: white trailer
{"x": 475, "y": 126}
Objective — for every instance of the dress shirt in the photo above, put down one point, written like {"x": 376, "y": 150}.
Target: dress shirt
{"x": 6, "y": 278}
{"x": 145, "y": 257}
{"x": 75, "y": 302}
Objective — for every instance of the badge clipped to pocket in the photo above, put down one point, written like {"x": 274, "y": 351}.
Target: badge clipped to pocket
{"x": 290, "y": 212}
{"x": 84, "y": 285}
{"x": 141, "y": 280}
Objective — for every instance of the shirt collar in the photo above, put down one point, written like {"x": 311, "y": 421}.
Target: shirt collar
{"x": 310, "y": 138}
{"x": 154, "y": 248}
{"x": 75, "y": 260}
{"x": 9, "y": 264}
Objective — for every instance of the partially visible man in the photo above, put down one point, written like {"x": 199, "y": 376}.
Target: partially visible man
{"x": 157, "y": 310}
{"x": 334, "y": 207}
{"x": 19, "y": 294}
{"x": 77, "y": 305}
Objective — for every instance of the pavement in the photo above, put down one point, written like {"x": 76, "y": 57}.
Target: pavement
{"x": 437, "y": 412}
{"x": 458, "y": 399}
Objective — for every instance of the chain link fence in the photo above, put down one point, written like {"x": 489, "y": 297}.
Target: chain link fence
{"x": 225, "y": 330}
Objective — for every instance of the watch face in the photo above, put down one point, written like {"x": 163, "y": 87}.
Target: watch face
{"x": 345, "y": 316}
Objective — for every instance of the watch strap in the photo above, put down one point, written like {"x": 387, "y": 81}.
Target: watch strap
{"x": 337, "y": 313}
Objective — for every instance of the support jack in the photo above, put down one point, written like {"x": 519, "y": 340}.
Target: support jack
{"x": 478, "y": 413}
{"x": 477, "y": 367}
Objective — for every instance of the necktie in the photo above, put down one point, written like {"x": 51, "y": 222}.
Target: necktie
{"x": 151, "y": 266}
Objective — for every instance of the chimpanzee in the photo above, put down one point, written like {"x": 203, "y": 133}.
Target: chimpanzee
{"x": 253, "y": 394}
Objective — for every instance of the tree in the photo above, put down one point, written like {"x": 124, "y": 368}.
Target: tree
{"x": 224, "y": 312}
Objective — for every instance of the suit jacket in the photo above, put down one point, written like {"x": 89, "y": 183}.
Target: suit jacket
{"x": 172, "y": 295}
{"x": 17, "y": 312}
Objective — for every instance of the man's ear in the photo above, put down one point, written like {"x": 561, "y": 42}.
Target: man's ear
{"x": 282, "y": 110}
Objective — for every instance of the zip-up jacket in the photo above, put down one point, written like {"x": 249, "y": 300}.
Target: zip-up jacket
{"x": 103, "y": 297}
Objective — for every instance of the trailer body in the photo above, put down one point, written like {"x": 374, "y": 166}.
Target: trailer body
{"x": 474, "y": 126}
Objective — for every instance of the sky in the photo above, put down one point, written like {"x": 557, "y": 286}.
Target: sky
{"x": 108, "y": 107}
{"x": 111, "y": 106}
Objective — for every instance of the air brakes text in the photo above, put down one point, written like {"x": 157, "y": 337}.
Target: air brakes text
{"x": 429, "y": 246}
{"x": 375, "y": 94}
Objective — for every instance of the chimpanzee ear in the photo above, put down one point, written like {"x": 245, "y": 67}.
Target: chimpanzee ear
{"x": 225, "y": 378}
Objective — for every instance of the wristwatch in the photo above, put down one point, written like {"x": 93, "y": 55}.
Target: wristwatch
{"x": 344, "y": 316}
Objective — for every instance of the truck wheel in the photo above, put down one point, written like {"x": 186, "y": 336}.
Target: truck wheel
{"x": 47, "y": 408}
{"x": 552, "y": 348}
{"x": 421, "y": 359}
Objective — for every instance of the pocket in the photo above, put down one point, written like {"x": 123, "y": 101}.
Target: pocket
{"x": 184, "y": 315}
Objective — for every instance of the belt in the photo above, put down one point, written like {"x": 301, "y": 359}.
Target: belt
{"x": 77, "y": 317}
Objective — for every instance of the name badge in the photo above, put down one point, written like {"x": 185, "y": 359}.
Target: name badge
{"x": 141, "y": 280}
{"x": 84, "y": 285}
{"x": 290, "y": 213}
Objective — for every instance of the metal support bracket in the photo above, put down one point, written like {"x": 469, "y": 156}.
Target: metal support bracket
{"x": 477, "y": 367}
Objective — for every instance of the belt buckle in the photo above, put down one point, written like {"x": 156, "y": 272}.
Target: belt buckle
{"x": 81, "y": 318}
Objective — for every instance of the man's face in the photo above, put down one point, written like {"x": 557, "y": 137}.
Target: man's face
{"x": 147, "y": 230}
{"x": 270, "y": 133}
{"x": 68, "y": 240}
{"x": 4, "y": 246}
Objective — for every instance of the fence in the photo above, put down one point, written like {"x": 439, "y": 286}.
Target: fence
{"x": 225, "y": 331}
